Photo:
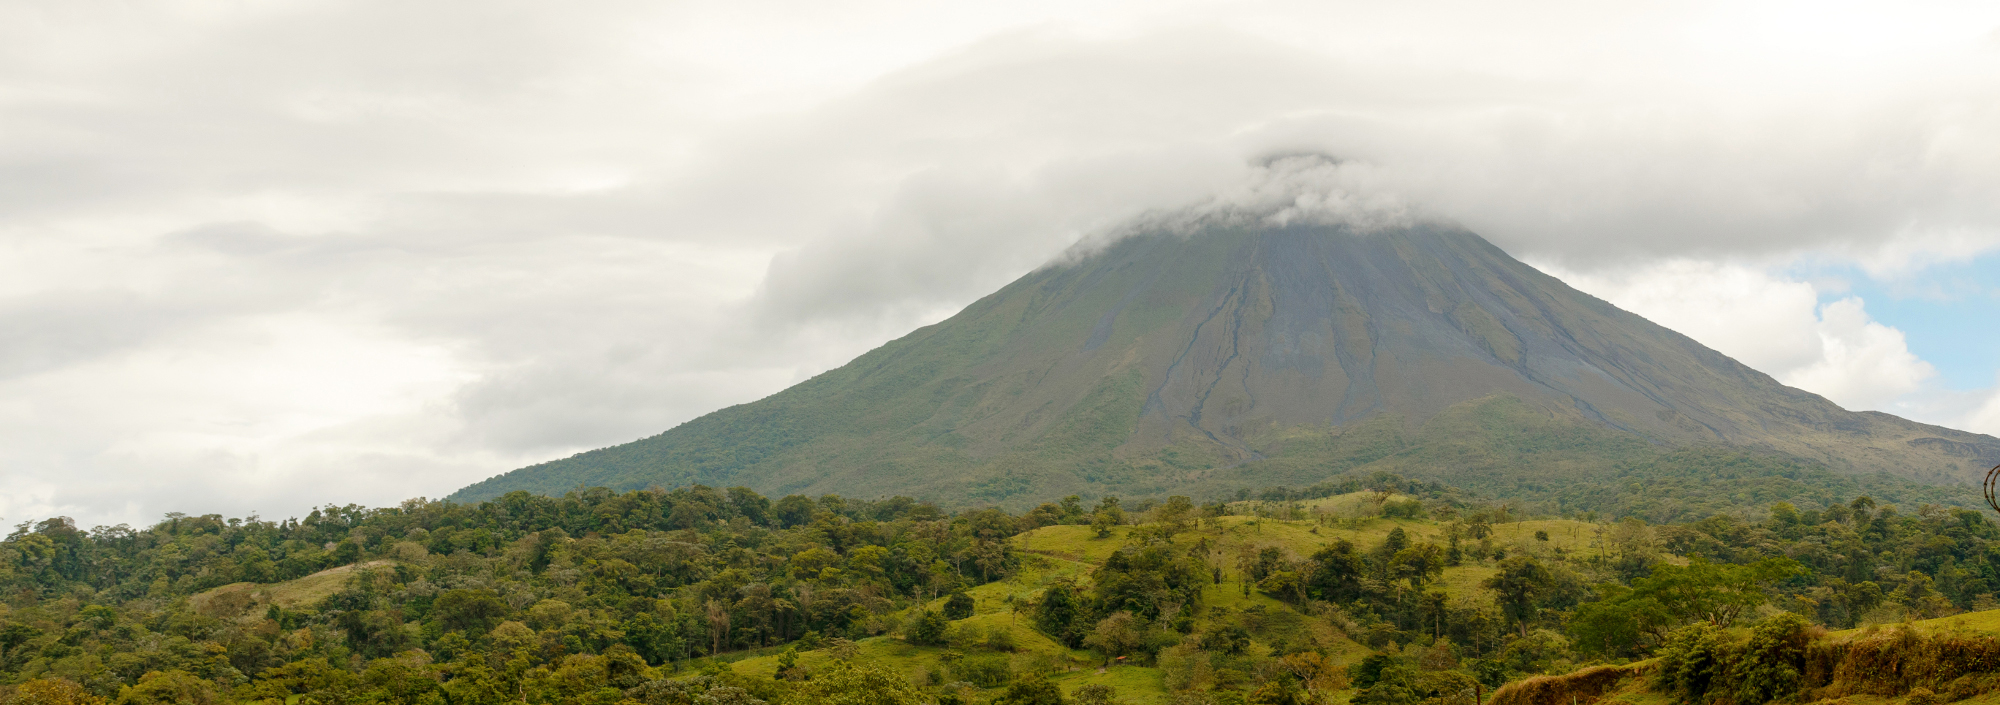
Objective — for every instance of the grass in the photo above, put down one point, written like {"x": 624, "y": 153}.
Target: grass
{"x": 245, "y": 601}
{"x": 1068, "y": 552}
{"x": 1071, "y": 553}
{"x": 1987, "y": 622}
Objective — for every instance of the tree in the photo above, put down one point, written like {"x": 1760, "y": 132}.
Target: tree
{"x": 313, "y": 677}
{"x": 1278, "y": 691}
{"x": 1435, "y": 605}
{"x": 1691, "y": 660}
{"x": 1397, "y": 540}
{"x": 718, "y": 624}
{"x": 1393, "y": 684}
{"x": 1285, "y": 585}
{"x": 1772, "y": 666}
{"x": 958, "y": 606}
{"x": 1418, "y": 564}
{"x": 1716, "y": 593}
{"x": 794, "y": 510}
{"x": 1033, "y": 690}
{"x": 1337, "y": 570}
{"x": 1072, "y": 508}
{"x": 788, "y": 663}
{"x": 1145, "y": 579}
{"x": 1226, "y": 639}
{"x": 53, "y": 691}
{"x": 1058, "y": 613}
{"x": 1107, "y": 515}
{"x": 1520, "y": 587}
{"x": 1176, "y": 515}
{"x": 1116, "y": 635}
{"x": 175, "y": 687}
{"x": 849, "y": 683}
{"x": 751, "y": 505}
{"x": 1096, "y": 694}
{"x": 927, "y": 629}
{"x": 1622, "y": 622}
{"x": 474, "y": 612}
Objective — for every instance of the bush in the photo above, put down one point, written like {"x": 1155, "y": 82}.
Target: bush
{"x": 1097, "y": 694}
{"x": 958, "y": 606}
{"x": 1000, "y": 638}
{"x": 1279, "y": 691}
{"x": 927, "y": 629}
{"x": 1369, "y": 670}
{"x": 1773, "y": 662}
{"x": 1394, "y": 684}
{"x": 1537, "y": 652}
{"x": 846, "y": 683}
{"x": 1036, "y": 690}
{"x": 987, "y": 671}
{"x": 1404, "y": 509}
{"x": 1186, "y": 667}
{"x": 1692, "y": 660}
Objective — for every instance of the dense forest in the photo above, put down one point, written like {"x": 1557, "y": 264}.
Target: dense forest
{"x": 1374, "y": 589}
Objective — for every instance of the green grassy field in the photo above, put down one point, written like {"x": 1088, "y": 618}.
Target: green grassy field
{"x": 1072, "y": 553}
{"x": 1987, "y": 622}
{"x": 1069, "y": 552}
{"x": 239, "y": 601}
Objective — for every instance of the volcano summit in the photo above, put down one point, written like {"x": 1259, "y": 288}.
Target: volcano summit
{"x": 1252, "y": 354}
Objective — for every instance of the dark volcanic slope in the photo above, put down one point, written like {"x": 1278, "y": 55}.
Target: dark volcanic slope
{"x": 1260, "y": 357}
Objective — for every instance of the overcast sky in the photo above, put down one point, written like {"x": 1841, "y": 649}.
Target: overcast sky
{"x": 262, "y": 256}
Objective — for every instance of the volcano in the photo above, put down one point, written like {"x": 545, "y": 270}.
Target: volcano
{"x": 1253, "y": 354}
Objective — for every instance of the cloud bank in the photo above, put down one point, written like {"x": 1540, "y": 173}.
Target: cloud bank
{"x": 261, "y": 257}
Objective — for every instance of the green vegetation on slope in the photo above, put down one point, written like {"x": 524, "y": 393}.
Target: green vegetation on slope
{"x": 1496, "y": 447}
{"x": 1365, "y": 589}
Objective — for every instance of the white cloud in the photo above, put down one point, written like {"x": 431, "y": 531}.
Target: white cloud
{"x": 1864, "y": 364}
{"x": 1767, "y": 322}
{"x": 1777, "y": 324}
{"x": 406, "y": 246}
{"x": 1986, "y": 417}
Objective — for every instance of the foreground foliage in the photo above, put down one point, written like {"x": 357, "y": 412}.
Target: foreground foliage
{"x": 1376, "y": 589}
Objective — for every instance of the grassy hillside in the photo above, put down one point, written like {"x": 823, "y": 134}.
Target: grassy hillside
{"x": 1073, "y": 552}
{"x": 1497, "y": 448}
{"x": 1253, "y": 358}
{"x": 1371, "y": 590}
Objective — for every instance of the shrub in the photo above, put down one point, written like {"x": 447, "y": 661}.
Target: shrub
{"x": 1035, "y": 690}
{"x": 1404, "y": 509}
{"x": 958, "y": 606}
{"x": 1691, "y": 661}
{"x": 1097, "y": 694}
{"x": 927, "y": 629}
{"x": 1000, "y": 638}
{"x": 846, "y": 683}
{"x": 1773, "y": 662}
{"x": 1394, "y": 684}
{"x": 1186, "y": 667}
{"x": 987, "y": 671}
